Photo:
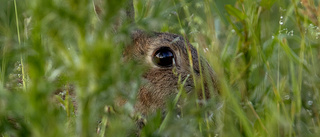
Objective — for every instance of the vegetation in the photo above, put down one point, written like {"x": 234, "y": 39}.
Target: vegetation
{"x": 265, "y": 54}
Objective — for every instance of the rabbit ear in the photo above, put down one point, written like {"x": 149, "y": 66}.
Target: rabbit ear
{"x": 97, "y": 8}
{"x": 124, "y": 16}
{"x": 129, "y": 10}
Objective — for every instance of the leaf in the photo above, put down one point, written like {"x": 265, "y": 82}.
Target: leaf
{"x": 235, "y": 12}
{"x": 267, "y": 3}
{"x": 293, "y": 55}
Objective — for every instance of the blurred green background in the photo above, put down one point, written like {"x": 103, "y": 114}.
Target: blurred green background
{"x": 265, "y": 53}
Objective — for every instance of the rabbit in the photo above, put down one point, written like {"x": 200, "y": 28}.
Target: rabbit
{"x": 166, "y": 57}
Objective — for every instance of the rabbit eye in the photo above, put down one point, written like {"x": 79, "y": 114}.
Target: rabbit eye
{"x": 163, "y": 57}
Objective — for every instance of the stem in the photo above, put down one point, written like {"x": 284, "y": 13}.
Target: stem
{"x": 21, "y": 59}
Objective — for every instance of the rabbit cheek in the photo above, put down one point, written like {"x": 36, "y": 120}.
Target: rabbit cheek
{"x": 148, "y": 101}
{"x": 161, "y": 84}
{"x": 144, "y": 101}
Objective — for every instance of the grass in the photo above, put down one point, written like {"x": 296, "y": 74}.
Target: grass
{"x": 265, "y": 54}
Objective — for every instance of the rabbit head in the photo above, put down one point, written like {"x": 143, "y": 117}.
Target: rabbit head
{"x": 166, "y": 57}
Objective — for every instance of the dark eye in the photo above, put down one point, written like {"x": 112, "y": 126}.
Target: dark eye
{"x": 163, "y": 57}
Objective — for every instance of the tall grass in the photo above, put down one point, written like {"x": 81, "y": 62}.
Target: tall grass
{"x": 265, "y": 55}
